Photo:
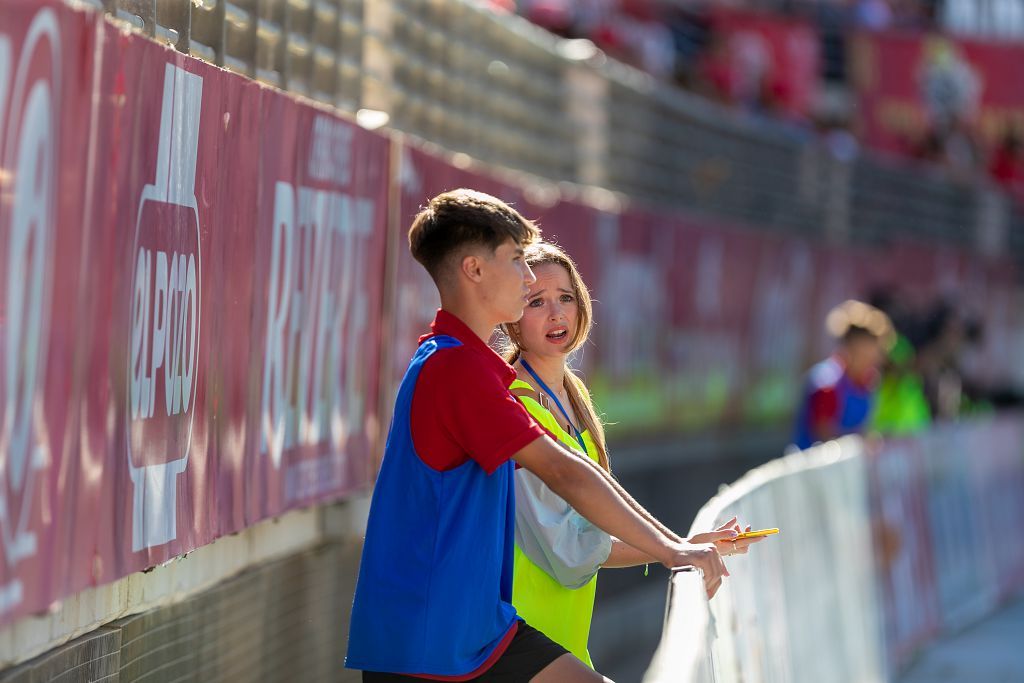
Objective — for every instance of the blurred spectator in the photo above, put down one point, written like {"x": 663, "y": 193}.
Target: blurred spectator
{"x": 1005, "y": 164}
{"x": 947, "y": 335}
{"x": 950, "y": 90}
{"x": 914, "y": 14}
{"x": 872, "y": 15}
{"x": 647, "y": 45}
{"x": 943, "y": 337}
{"x": 901, "y": 407}
{"x": 632, "y": 31}
{"x": 556, "y": 16}
{"x": 692, "y": 35}
{"x": 839, "y": 392}
{"x": 949, "y": 85}
{"x": 783, "y": 59}
{"x": 714, "y": 72}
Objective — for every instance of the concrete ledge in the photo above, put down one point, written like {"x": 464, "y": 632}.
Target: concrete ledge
{"x": 283, "y": 620}
{"x": 180, "y": 578}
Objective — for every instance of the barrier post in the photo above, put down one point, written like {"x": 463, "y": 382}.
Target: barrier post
{"x": 587, "y": 107}
{"x": 684, "y": 653}
{"x": 378, "y": 57}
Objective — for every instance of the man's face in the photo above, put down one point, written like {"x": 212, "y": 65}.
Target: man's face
{"x": 506, "y": 282}
{"x": 865, "y": 355}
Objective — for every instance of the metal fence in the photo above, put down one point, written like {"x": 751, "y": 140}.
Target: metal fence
{"x": 801, "y": 606}
{"x": 684, "y": 653}
{"x": 832, "y": 598}
{"x": 672, "y": 148}
{"x": 505, "y": 92}
{"x": 477, "y": 83}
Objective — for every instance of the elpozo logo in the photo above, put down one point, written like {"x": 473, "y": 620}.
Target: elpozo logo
{"x": 29, "y": 106}
{"x": 165, "y": 305}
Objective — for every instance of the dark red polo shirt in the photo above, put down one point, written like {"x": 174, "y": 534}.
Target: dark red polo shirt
{"x": 462, "y": 408}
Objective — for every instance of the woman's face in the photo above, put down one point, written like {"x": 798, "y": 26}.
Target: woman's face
{"x": 550, "y": 318}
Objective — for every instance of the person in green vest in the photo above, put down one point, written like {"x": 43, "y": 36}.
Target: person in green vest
{"x": 901, "y": 406}
{"x": 558, "y": 552}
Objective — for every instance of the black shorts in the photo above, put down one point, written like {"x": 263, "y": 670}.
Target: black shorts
{"x": 526, "y": 656}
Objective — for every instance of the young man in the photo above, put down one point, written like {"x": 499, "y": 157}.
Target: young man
{"x": 433, "y": 599}
{"x": 840, "y": 390}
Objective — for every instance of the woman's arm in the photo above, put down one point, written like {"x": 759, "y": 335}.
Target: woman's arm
{"x": 625, "y": 555}
{"x": 588, "y": 489}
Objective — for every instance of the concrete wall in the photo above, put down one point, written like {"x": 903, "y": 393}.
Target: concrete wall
{"x": 285, "y": 620}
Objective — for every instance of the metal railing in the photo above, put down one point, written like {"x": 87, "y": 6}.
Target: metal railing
{"x": 800, "y": 606}
{"x": 474, "y": 82}
{"x": 911, "y": 201}
{"x": 672, "y": 148}
{"x": 684, "y": 652}
{"x": 507, "y": 93}
{"x": 310, "y": 47}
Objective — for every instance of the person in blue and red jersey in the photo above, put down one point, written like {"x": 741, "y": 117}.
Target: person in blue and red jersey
{"x": 840, "y": 390}
{"x": 433, "y": 597}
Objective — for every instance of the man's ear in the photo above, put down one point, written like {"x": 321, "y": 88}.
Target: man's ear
{"x": 472, "y": 267}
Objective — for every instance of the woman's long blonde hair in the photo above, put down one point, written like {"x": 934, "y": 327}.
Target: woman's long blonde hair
{"x": 538, "y": 254}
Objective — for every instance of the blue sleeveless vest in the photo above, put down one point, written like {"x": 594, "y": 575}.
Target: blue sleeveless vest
{"x": 855, "y": 402}
{"x": 434, "y": 594}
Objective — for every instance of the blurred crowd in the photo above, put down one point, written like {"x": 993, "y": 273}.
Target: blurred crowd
{"x": 680, "y": 41}
{"x": 896, "y": 369}
{"x": 927, "y": 374}
{"x": 688, "y": 43}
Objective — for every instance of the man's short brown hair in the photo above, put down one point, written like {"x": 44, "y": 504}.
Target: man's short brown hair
{"x": 462, "y": 218}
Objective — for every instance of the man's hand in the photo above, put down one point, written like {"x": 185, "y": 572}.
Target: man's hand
{"x": 723, "y": 537}
{"x": 705, "y": 558}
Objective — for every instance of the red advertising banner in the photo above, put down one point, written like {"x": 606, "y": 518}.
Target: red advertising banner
{"x": 206, "y": 297}
{"x": 910, "y": 85}
{"x": 191, "y": 287}
{"x": 43, "y": 149}
{"x": 766, "y": 61}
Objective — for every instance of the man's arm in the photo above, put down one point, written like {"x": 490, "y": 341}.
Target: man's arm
{"x": 593, "y": 494}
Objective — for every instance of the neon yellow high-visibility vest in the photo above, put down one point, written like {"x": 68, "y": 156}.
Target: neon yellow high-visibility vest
{"x": 562, "y": 614}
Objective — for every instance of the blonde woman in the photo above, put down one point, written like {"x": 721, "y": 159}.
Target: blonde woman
{"x": 558, "y": 552}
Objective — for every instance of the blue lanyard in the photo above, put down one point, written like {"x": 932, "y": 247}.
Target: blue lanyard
{"x": 575, "y": 432}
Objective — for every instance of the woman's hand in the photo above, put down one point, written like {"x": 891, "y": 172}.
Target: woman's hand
{"x": 723, "y": 537}
{"x": 704, "y": 557}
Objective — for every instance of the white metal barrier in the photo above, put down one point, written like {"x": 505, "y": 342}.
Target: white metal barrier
{"x": 682, "y": 654}
{"x": 884, "y": 548}
{"x": 801, "y": 606}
